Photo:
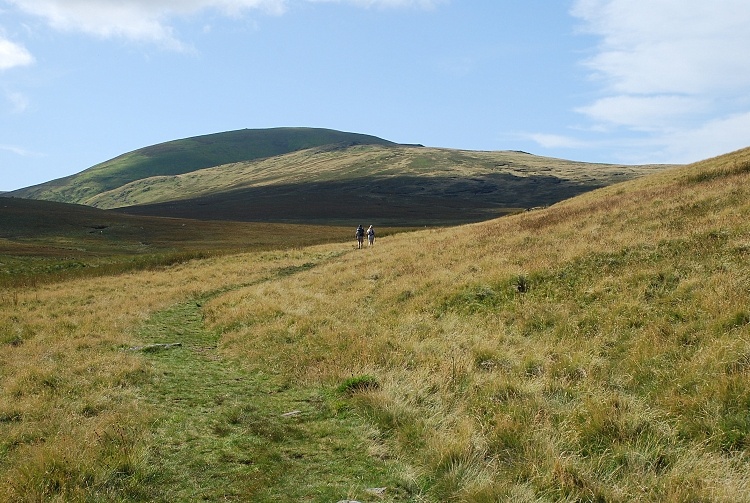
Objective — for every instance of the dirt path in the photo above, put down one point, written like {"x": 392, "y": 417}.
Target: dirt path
{"x": 224, "y": 434}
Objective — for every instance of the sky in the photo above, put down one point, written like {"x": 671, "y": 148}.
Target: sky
{"x": 615, "y": 81}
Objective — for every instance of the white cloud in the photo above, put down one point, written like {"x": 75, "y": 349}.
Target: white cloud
{"x": 669, "y": 46}
{"x": 148, "y": 20}
{"x": 647, "y": 113}
{"x": 22, "y": 152}
{"x": 19, "y": 102}
{"x": 142, "y": 20}
{"x": 677, "y": 69}
{"x": 13, "y": 55}
{"x": 554, "y": 141}
{"x": 715, "y": 137}
{"x": 422, "y": 4}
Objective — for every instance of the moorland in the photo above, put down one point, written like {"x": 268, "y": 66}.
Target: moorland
{"x": 321, "y": 176}
{"x": 594, "y": 350}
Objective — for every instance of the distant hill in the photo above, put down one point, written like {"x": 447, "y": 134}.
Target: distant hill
{"x": 186, "y": 155}
{"x": 326, "y": 177}
{"x": 391, "y": 185}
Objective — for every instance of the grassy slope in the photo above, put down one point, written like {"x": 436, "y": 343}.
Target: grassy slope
{"x": 186, "y": 155}
{"x": 396, "y": 185}
{"x": 593, "y": 351}
{"x": 596, "y": 350}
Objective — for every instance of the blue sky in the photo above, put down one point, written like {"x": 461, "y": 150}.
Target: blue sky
{"x": 626, "y": 81}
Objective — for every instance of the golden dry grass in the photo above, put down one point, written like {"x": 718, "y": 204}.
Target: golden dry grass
{"x": 619, "y": 374}
{"x": 72, "y": 424}
{"x": 598, "y": 350}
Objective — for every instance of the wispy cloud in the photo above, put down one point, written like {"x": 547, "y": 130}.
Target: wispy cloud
{"x": 678, "y": 71}
{"x": 422, "y": 4}
{"x": 554, "y": 140}
{"x": 149, "y": 20}
{"x": 22, "y": 152}
{"x": 19, "y": 102}
{"x": 645, "y": 113}
{"x": 663, "y": 46}
{"x": 139, "y": 20}
{"x": 713, "y": 137}
{"x": 13, "y": 55}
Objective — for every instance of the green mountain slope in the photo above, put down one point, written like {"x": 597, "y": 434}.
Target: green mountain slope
{"x": 186, "y": 155}
{"x": 397, "y": 185}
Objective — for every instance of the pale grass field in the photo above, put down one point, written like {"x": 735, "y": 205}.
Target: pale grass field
{"x": 598, "y": 350}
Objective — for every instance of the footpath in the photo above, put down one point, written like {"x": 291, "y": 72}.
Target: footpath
{"x": 225, "y": 434}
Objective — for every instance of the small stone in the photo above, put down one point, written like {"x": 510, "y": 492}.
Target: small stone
{"x": 377, "y": 491}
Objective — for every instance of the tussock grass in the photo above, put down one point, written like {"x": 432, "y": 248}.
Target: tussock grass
{"x": 596, "y": 350}
{"x": 73, "y": 426}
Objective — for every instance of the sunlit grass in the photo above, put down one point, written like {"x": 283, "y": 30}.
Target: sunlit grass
{"x": 594, "y": 350}
{"x": 598, "y": 350}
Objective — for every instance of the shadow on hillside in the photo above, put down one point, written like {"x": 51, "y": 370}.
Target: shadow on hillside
{"x": 389, "y": 201}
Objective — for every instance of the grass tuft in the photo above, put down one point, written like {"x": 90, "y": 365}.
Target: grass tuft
{"x": 358, "y": 384}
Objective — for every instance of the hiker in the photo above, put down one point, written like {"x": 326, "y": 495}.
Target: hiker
{"x": 360, "y": 233}
{"x": 370, "y": 236}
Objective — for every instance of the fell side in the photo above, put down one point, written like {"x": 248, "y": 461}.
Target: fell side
{"x": 186, "y": 155}
{"x": 393, "y": 185}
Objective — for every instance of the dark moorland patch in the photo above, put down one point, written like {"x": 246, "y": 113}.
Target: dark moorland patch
{"x": 43, "y": 241}
{"x": 396, "y": 201}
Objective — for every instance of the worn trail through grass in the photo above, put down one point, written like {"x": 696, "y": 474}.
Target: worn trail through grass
{"x": 223, "y": 433}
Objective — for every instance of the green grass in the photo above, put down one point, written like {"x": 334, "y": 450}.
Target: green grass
{"x": 25, "y": 271}
{"x": 222, "y": 433}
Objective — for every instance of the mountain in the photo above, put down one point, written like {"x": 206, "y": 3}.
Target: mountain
{"x": 393, "y": 185}
{"x": 327, "y": 177}
{"x": 186, "y": 155}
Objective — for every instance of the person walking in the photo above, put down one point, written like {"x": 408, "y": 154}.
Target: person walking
{"x": 360, "y": 234}
{"x": 370, "y": 236}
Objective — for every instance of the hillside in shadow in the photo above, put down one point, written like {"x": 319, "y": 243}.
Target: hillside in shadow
{"x": 394, "y": 201}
